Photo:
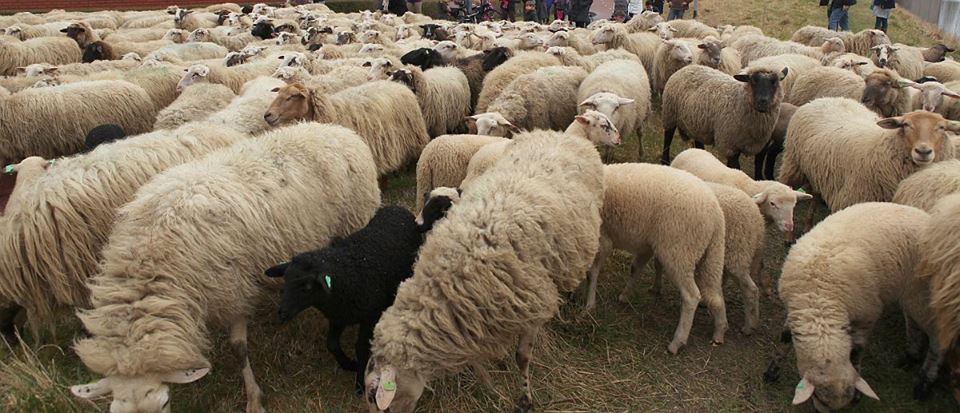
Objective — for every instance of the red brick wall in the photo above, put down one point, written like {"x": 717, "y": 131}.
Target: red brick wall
{"x": 7, "y": 6}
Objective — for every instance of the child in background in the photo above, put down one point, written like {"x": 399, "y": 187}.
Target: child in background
{"x": 881, "y": 10}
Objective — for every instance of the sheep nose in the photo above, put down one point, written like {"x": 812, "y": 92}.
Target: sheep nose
{"x": 924, "y": 151}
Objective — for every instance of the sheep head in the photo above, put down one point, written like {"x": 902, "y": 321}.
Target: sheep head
{"x": 389, "y": 389}
{"x": 495, "y": 57}
{"x": 147, "y": 393}
{"x": 436, "y": 203}
{"x": 710, "y": 52}
{"x": 404, "y": 77}
{"x": 663, "y": 30}
{"x": 877, "y": 37}
{"x": 932, "y": 93}
{"x": 606, "y": 103}
{"x": 595, "y": 127}
{"x": 307, "y": 282}
{"x": 833, "y": 45}
{"x": 529, "y": 41}
{"x": 603, "y": 35}
{"x": 36, "y": 69}
{"x": 379, "y": 68}
{"x": 493, "y": 124}
{"x": 923, "y": 134}
{"x": 559, "y": 39}
{"x": 175, "y": 35}
{"x": 883, "y": 55}
{"x": 191, "y": 75}
{"x": 423, "y": 58}
{"x": 292, "y": 103}
{"x": 199, "y": 35}
{"x": 777, "y": 202}
{"x": 883, "y": 88}
{"x": 764, "y": 91}
{"x": 678, "y": 51}
{"x": 832, "y": 388}
{"x": 447, "y": 50}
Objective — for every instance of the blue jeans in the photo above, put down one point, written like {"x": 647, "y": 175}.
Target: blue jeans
{"x": 838, "y": 18}
{"x": 675, "y": 14}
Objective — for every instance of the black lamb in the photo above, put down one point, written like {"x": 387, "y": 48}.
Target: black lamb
{"x": 352, "y": 281}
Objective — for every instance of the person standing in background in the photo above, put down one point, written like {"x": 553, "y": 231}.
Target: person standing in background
{"x": 839, "y": 17}
{"x": 634, "y": 7}
{"x": 579, "y": 12}
{"x": 881, "y": 10}
{"x": 415, "y": 6}
{"x": 620, "y": 9}
{"x": 656, "y": 5}
{"x": 696, "y": 8}
{"x": 677, "y": 8}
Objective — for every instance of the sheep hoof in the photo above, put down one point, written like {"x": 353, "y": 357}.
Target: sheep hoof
{"x": 773, "y": 373}
{"x": 524, "y": 405}
{"x": 922, "y": 390}
{"x": 716, "y": 343}
{"x": 674, "y": 347}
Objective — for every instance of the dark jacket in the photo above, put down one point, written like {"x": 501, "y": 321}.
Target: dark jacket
{"x": 885, "y": 4}
{"x": 679, "y": 4}
{"x": 579, "y": 11}
{"x": 836, "y": 4}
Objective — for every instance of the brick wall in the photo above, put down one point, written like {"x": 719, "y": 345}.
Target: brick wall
{"x": 8, "y": 6}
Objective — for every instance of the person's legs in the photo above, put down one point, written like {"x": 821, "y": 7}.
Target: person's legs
{"x": 416, "y": 7}
{"x": 844, "y": 20}
{"x": 834, "y": 22}
{"x": 885, "y": 22}
{"x": 878, "y": 24}
{"x": 674, "y": 14}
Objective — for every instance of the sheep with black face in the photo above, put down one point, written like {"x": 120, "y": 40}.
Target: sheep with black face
{"x": 352, "y": 280}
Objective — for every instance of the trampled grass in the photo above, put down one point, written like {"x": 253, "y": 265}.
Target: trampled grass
{"x": 614, "y": 360}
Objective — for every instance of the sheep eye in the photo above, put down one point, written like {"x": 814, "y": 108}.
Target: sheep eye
{"x": 772, "y": 204}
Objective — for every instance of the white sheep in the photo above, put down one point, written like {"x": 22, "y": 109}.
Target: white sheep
{"x": 568, "y": 56}
{"x": 546, "y": 98}
{"x": 615, "y": 36}
{"x": 905, "y": 60}
{"x": 619, "y": 89}
{"x": 500, "y": 77}
{"x": 194, "y": 103}
{"x": 655, "y": 211}
{"x": 52, "y": 50}
{"x": 827, "y": 81}
{"x": 168, "y": 275}
{"x": 671, "y": 55}
{"x": 233, "y": 77}
{"x": 443, "y": 94}
{"x": 922, "y": 189}
{"x": 859, "y": 43}
{"x": 444, "y": 161}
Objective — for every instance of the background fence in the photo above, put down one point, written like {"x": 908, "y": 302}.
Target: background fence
{"x": 944, "y": 13}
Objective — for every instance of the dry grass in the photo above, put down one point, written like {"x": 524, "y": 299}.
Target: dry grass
{"x": 612, "y": 361}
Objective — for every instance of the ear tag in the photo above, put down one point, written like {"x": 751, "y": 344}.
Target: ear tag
{"x": 327, "y": 279}
{"x": 389, "y": 385}
{"x": 800, "y": 190}
{"x": 801, "y": 385}
{"x": 8, "y": 169}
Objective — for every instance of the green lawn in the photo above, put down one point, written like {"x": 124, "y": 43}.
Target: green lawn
{"x": 612, "y": 361}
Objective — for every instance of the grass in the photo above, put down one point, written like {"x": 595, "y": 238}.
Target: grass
{"x": 614, "y": 360}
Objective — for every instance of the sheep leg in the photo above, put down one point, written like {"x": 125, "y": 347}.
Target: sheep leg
{"x": 733, "y": 161}
{"x": 238, "y": 340}
{"x": 606, "y": 246}
{"x": 607, "y": 155}
{"x": 364, "y": 336}
{"x": 916, "y": 340}
{"x": 8, "y": 327}
{"x": 771, "y": 158}
{"x": 333, "y": 346}
{"x": 524, "y": 353}
{"x": 639, "y": 261}
{"x": 751, "y": 300}
{"x": 811, "y": 208}
{"x": 783, "y": 350}
{"x": 667, "y": 141}
{"x": 657, "y": 286}
{"x": 758, "y": 161}
{"x": 698, "y": 144}
{"x": 689, "y": 296}
{"x": 639, "y": 143}
{"x": 928, "y": 373}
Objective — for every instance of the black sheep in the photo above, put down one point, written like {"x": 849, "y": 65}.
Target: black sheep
{"x": 434, "y": 32}
{"x": 436, "y": 203}
{"x": 424, "y": 58}
{"x": 263, "y": 30}
{"x": 102, "y": 134}
{"x": 353, "y": 280}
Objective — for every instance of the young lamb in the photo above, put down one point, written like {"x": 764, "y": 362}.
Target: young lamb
{"x": 180, "y": 278}
{"x": 776, "y": 200}
{"x": 385, "y": 114}
{"x": 737, "y": 117}
{"x": 194, "y": 103}
{"x": 44, "y": 268}
{"x": 534, "y": 255}
{"x": 352, "y": 281}
{"x": 498, "y": 79}
{"x": 654, "y": 211}
{"x": 826, "y": 81}
{"x": 841, "y": 151}
{"x": 905, "y": 60}
{"x": 545, "y": 99}
{"x": 53, "y": 121}
{"x": 615, "y": 36}
{"x": 444, "y": 161}
{"x": 859, "y": 43}
{"x": 941, "y": 267}
{"x": 51, "y": 50}
{"x": 922, "y": 189}
{"x": 443, "y": 94}
{"x": 835, "y": 284}
{"x": 619, "y": 89}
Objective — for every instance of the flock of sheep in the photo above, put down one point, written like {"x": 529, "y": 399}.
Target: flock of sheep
{"x": 165, "y": 161}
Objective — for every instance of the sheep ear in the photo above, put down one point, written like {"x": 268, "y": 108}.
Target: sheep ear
{"x": 673, "y": 29}
{"x": 901, "y": 83}
{"x": 652, "y": 29}
{"x": 743, "y": 77}
{"x": 51, "y": 70}
{"x": 92, "y": 390}
{"x": 21, "y": 70}
{"x": 802, "y": 196}
{"x": 589, "y": 102}
{"x": 582, "y": 120}
{"x": 702, "y": 46}
{"x": 864, "y": 388}
{"x": 185, "y": 376}
{"x": 277, "y": 271}
{"x": 953, "y": 126}
{"x": 924, "y": 79}
{"x": 760, "y": 198}
{"x": 387, "y": 388}
{"x": 891, "y": 123}
{"x": 276, "y": 89}
{"x": 625, "y": 101}
{"x": 783, "y": 73}
{"x": 951, "y": 93}
{"x": 803, "y": 392}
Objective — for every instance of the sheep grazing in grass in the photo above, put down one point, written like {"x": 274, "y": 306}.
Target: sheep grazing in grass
{"x": 841, "y": 151}
{"x": 385, "y": 114}
{"x": 922, "y": 189}
{"x": 906, "y": 61}
{"x": 83, "y": 193}
{"x": 941, "y": 267}
{"x": 615, "y": 36}
{"x": 462, "y": 262}
{"x": 168, "y": 276}
{"x": 53, "y": 121}
{"x": 836, "y": 282}
{"x": 194, "y": 103}
{"x": 655, "y": 211}
{"x": 51, "y": 50}
{"x": 620, "y": 90}
{"x": 352, "y": 281}
{"x": 738, "y": 117}
{"x": 545, "y": 99}
{"x": 499, "y": 78}
{"x": 103, "y": 134}
{"x": 443, "y": 94}
{"x": 859, "y": 43}
{"x": 444, "y": 161}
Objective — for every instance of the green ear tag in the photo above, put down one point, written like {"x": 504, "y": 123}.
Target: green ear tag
{"x": 800, "y": 190}
{"x": 327, "y": 279}
{"x": 801, "y": 385}
{"x": 390, "y": 385}
{"x": 8, "y": 169}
